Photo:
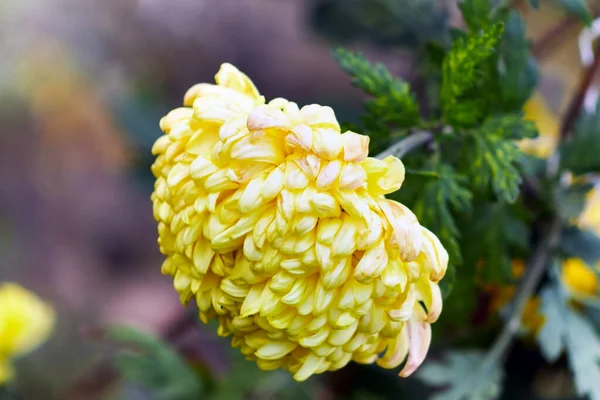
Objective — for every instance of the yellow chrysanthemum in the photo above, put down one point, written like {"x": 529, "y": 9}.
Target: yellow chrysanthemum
{"x": 537, "y": 111}
{"x": 276, "y": 222}
{"x": 25, "y": 323}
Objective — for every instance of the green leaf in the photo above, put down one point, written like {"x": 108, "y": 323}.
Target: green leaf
{"x": 492, "y": 161}
{"x": 550, "y": 337}
{"x": 517, "y": 70}
{"x": 567, "y": 329}
{"x": 436, "y": 203}
{"x": 499, "y": 231}
{"x": 570, "y": 201}
{"x": 580, "y": 243}
{"x": 462, "y": 70}
{"x": 476, "y": 13}
{"x": 394, "y": 102}
{"x": 579, "y": 8}
{"x": 465, "y": 374}
{"x": 509, "y": 126}
{"x": 155, "y": 365}
{"x": 406, "y": 23}
{"x": 580, "y": 154}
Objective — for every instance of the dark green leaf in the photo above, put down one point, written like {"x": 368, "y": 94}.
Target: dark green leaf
{"x": 570, "y": 201}
{"x": 406, "y": 23}
{"x": 498, "y": 231}
{"x": 580, "y": 154}
{"x": 436, "y": 203}
{"x": 447, "y": 284}
{"x": 580, "y": 243}
{"x": 154, "y": 365}
{"x": 517, "y": 69}
{"x": 394, "y": 102}
{"x": 476, "y": 13}
{"x": 579, "y": 8}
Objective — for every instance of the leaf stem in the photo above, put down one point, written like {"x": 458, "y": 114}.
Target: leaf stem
{"x": 577, "y": 101}
{"x": 527, "y": 286}
{"x": 406, "y": 145}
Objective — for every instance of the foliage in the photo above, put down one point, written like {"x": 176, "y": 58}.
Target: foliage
{"x": 394, "y": 103}
{"x": 462, "y": 69}
{"x": 406, "y": 23}
{"x": 568, "y": 330}
{"x": 155, "y": 365}
{"x": 579, "y": 8}
{"x": 579, "y": 153}
{"x": 465, "y": 375}
{"x": 581, "y": 243}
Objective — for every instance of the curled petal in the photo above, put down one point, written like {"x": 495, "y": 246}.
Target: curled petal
{"x": 300, "y": 137}
{"x": 319, "y": 117}
{"x": 396, "y": 351}
{"x": 356, "y": 147}
{"x": 430, "y": 294}
{"x": 435, "y": 254}
{"x": 406, "y": 228}
{"x": 267, "y": 117}
{"x": 231, "y": 77}
{"x": 383, "y": 176}
{"x": 419, "y": 339}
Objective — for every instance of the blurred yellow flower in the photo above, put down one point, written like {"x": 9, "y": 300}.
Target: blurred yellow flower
{"x": 276, "y": 222}
{"x": 576, "y": 275}
{"x": 579, "y": 277}
{"x": 590, "y": 217}
{"x": 25, "y": 323}
{"x": 537, "y": 111}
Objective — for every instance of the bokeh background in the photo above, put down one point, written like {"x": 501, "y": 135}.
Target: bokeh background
{"x": 83, "y": 84}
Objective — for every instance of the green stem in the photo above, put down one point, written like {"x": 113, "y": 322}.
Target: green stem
{"x": 406, "y": 145}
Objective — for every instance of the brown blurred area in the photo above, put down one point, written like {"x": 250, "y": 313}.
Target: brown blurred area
{"x": 83, "y": 84}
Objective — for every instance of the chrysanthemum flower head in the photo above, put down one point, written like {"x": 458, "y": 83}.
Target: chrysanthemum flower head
{"x": 25, "y": 323}
{"x": 275, "y": 221}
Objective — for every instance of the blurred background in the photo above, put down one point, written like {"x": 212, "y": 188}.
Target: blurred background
{"x": 83, "y": 84}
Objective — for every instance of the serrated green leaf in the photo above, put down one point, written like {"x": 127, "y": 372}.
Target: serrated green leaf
{"x": 465, "y": 374}
{"x": 461, "y": 72}
{"x": 435, "y": 206}
{"x": 155, "y": 365}
{"x": 394, "y": 102}
{"x": 570, "y": 201}
{"x": 492, "y": 161}
{"x": 579, "y": 8}
{"x": 580, "y": 243}
{"x": 567, "y": 329}
{"x": 509, "y": 126}
{"x": 579, "y": 153}
{"x": 498, "y": 231}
